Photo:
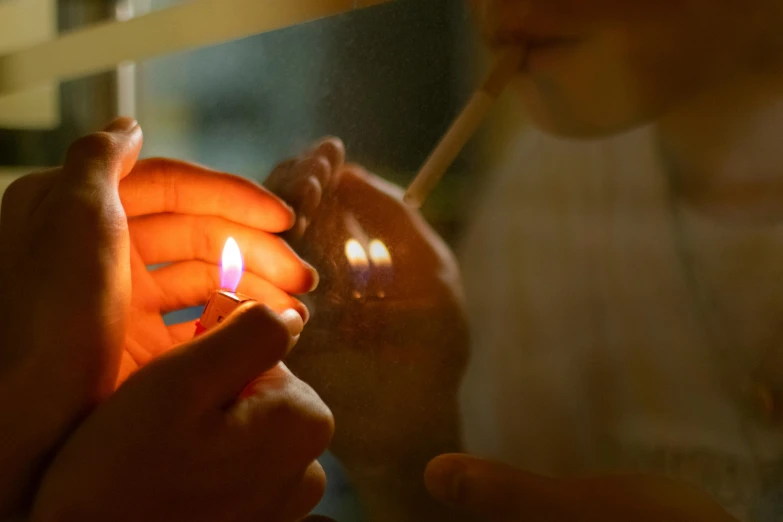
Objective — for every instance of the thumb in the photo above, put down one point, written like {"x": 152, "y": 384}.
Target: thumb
{"x": 106, "y": 156}
{"x": 490, "y": 490}
{"x": 251, "y": 341}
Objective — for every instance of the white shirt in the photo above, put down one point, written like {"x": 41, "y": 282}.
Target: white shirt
{"x": 591, "y": 350}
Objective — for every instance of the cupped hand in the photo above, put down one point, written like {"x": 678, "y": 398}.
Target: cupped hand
{"x": 488, "y": 491}
{"x": 387, "y": 341}
{"x": 180, "y": 216}
{"x": 80, "y": 308}
{"x": 217, "y": 429}
{"x": 66, "y": 288}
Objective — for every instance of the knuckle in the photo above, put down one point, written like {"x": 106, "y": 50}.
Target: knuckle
{"x": 207, "y": 244}
{"x": 284, "y": 413}
{"x": 306, "y": 418}
{"x": 95, "y": 145}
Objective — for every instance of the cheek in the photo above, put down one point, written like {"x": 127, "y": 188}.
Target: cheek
{"x": 623, "y": 76}
{"x": 595, "y": 89}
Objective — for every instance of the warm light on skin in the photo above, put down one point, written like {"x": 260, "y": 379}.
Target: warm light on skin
{"x": 379, "y": 254}
{"x": 231, "y": 266}
{"x": 355, "y": 254}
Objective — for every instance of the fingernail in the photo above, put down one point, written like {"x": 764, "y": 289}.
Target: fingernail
{"x": 303, "y": 311}
{"x": 445, "y": 480}
{"x": 293, "y": 322}
{"x": 314, "y": 146}
{"x": 316, "y": 278}
{"x": 311, "y": 198}
{"x": 327, "y": 148}
{"x": 121, "y": 124}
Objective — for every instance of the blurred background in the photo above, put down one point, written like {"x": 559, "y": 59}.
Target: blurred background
{"x": 387, "y": 80}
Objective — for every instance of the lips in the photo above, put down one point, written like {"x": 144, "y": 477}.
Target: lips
{"x": 538, "y": 48}
{"x": 529, "y": 40}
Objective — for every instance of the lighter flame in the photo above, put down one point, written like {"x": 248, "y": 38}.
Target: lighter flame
{"x": 379, "y": 254}
{"x": 231, "y": 266}
{"x": 356, "y": 255}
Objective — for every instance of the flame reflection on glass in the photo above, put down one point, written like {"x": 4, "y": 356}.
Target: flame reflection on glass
{"x": 379, "y": 254}
{"x": 382, "y": 263}
{"x": 231, "y": 266}
{"x": 360, "y": 266}
{"x": 356, "y": 255}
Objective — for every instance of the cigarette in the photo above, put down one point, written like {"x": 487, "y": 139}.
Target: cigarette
{"x": 464, "y": 127}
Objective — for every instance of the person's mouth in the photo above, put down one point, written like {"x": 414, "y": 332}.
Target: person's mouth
{"x": 540, "y": 49}
{"x": 541, "y": 52}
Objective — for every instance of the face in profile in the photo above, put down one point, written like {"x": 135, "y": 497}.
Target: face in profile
{"x": 600, "y": 66}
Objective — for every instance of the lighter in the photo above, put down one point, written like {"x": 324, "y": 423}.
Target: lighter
{"x": 224, "y": 301}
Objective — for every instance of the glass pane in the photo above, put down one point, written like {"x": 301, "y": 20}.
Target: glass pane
{"x": 593, "y": 290}
{"x": 387, "y": 81}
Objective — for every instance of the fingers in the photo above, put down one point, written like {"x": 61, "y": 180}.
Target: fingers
{"x": 330, "y": 149}
{"x": 167, "y": 238}
{"x": 490, "y": 490}
{"x": 182, "y": 332}
{"x": 220, "y": 364}
{"x": 290, "y": 180}
{"x": 312, "y": 194}
{"x": 103, "y": 157}
{"x": 333, "y": 150}
{"x": 190, "y": 283}
{"x": 169, "y": 186}
{"x": 306, "y": 496}
{"x": 305, "y": 181}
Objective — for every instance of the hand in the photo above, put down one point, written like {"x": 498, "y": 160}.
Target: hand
{"x": 78, "y": 298}
{"x": 66, "y": 290}
{"x": 180, "y": 215}
{"x": 174, "y": 443}
{"x": 493, "y": 492}
{"x": 388, "y": 362}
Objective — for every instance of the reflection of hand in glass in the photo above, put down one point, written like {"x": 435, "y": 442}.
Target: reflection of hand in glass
{"x": 387, "y": 343}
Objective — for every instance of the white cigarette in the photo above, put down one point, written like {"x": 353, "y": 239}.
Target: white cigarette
{"x": 465, "y": 126}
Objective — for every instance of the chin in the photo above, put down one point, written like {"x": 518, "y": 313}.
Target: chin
{"x": 555, "y": 113}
